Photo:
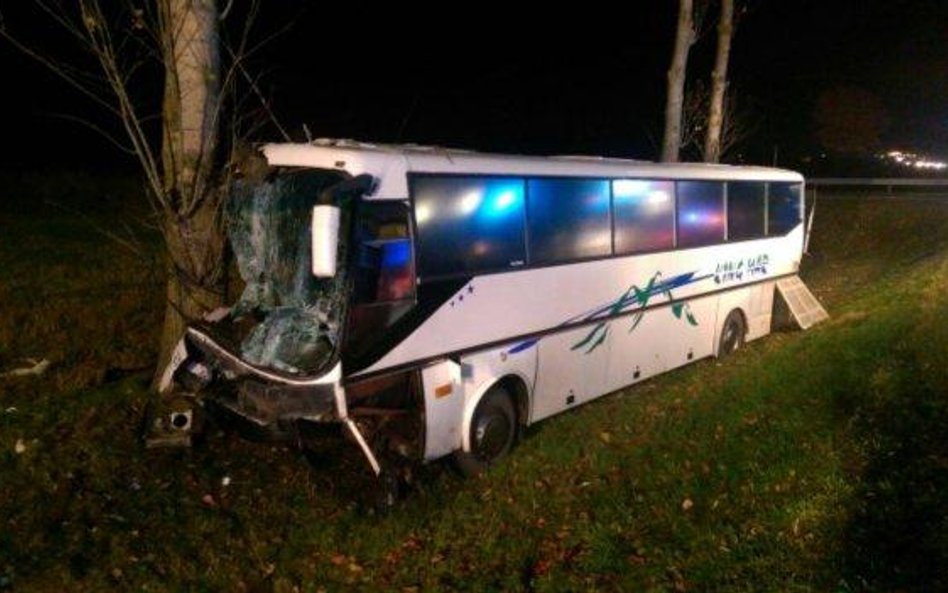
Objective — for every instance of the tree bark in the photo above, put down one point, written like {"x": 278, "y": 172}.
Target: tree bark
{"x": 684, "y": 38}
{"x": 192, "y": 225}
{"x": 196, "y": 281}
{"x": 712, "y": 139}
{"x": 192, "y": 98}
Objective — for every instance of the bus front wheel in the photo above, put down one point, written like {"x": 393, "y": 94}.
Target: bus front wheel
{"x": 732, "y": 333}
{"x": 493, "y": 432}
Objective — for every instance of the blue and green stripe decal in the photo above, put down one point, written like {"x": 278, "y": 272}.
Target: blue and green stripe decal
{"x": 633, "y": 298}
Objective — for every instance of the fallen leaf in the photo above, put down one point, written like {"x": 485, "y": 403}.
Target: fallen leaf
{"x": 636, "y": 559}
{"x": 541, "y": 567}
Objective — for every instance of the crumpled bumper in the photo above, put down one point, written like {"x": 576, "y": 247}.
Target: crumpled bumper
{"x": 264, "y": 404}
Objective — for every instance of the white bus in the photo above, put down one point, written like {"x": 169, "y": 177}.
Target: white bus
{"x": 451, "y": 298}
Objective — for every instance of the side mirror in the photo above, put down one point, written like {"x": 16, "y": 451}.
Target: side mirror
{"x": 325, "y": 240}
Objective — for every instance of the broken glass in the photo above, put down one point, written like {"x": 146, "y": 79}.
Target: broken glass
{"x": 268, "y": 226}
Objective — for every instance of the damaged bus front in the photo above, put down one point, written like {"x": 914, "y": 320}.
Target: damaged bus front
{"x": 311, "y": 251}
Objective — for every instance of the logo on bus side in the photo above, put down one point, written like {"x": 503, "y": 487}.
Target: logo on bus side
{"x": 736, "y": 270}
{"x": 633, "y": 298}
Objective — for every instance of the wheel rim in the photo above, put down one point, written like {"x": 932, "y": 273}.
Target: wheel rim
{"x": 732, "y": 335}
{"x": 491, "y": 435}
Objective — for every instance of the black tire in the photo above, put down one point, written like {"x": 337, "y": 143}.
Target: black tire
{"x": 732, "y": 334}
{"x": 493, "y": 432}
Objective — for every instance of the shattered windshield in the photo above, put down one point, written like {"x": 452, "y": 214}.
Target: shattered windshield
{"x": 295, "y": 317}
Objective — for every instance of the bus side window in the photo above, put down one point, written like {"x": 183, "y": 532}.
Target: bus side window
{"x": 468, "y": 224}
{"x": 783, "y": 208}
{"x": 567, "y": 219}
{"x": 746, "y": 210}
{"x": 644, "y": 215}
{"x": 700, "y": 213}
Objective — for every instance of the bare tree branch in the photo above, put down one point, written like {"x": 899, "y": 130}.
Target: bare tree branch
{"x": 736, "y": 125}
{"x": 110, "y": 137}
{"x": 186, "y": 152}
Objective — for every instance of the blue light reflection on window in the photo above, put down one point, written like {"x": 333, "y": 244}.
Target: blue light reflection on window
{"x": 503, "y": 198}
{"x": 396, "y": 254}
{"x": 468, "y": 223}
{"x": 568, "y": 219}
{"x": 700, "y": 213}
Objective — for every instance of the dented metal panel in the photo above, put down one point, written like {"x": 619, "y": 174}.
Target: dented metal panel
{"x": 444, "y": 403}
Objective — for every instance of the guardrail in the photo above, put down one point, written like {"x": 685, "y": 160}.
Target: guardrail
{"x": 888, "y": 182}
{"x": 814, "y": 184}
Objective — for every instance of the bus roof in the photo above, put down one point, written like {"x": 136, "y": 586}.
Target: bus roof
{"x": 391, "y": 164}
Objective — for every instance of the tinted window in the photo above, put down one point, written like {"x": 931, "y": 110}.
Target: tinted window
{"x": 468, "y": 224}
{"x": 746, "y": 210}
{"x": 644, "y": 213}
{"x": 383, "y": 278}
{"x": 567, "y": 219}
{"x": 700, "y": 213}
{"x": 783, "y": 209}
{"x": 384, "y": 270}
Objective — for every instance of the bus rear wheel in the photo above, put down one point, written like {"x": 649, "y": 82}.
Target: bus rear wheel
{"x": 732, "y": 333}
{"x": 493, "y": 432}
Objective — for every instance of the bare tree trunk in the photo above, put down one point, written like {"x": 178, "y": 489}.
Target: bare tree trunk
{"x": 192, "y": 97}
{"x": 712, "y": 139}
{"x": 196, "y": 276}
{"x": 684, "y": 38}
{"x": 192, "y": 225}
{"x": 186, "y": 167}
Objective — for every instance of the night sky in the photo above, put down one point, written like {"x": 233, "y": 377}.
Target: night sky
{"x": 587, "y": 80}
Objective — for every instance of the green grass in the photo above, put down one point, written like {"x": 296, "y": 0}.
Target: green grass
{"x": 812, "y": 461}
{"x": 80, "y": 276}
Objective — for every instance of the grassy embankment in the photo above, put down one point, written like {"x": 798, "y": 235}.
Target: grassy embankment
{"x": 809, "y": 461}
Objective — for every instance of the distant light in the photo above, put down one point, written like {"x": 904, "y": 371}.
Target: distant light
{"x": 422, "y": 214}
{"x": 595, "y": 241}
{"x": 658, "y": 197}
{"x": 504, "y": 200}
{"x": 470, "y": 202}
{"x": 629, "y": 188}
{"x": 594, "y": 201}
{"x": 914, "y": 160}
